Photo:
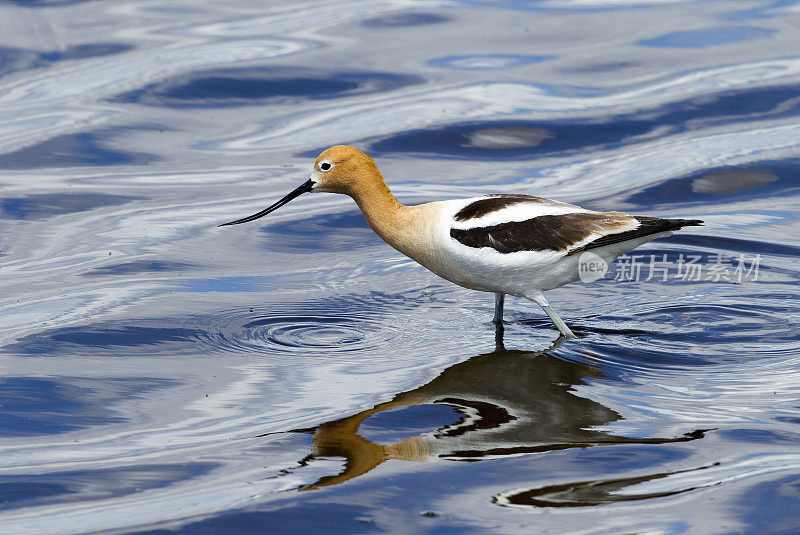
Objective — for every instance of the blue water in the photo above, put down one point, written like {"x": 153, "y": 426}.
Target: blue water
{"x": 159, "y": 374}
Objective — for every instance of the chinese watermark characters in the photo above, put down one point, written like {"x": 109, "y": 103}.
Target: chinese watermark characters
{"x": 662, "y": 267}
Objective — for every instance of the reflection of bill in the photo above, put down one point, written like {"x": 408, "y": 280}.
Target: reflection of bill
{"x": 508, "y": 403}
{"x": 591, "y": 267}
{"x": 596, "y": 492}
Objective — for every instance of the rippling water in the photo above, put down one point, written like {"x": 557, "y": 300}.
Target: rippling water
{"x": 161, "y": 374}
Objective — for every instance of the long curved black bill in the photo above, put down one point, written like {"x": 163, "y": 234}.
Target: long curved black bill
{"x": 305, "y": 187}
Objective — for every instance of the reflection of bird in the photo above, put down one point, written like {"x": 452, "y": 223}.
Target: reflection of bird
{"x": 506, "y": 244}
{"x": 509, "y": 403}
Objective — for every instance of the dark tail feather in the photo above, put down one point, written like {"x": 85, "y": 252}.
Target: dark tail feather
{"x": 660, "y": 225}
{"x": 647, "y": 226}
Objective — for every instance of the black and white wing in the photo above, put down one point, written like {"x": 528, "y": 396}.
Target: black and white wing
{"x": 514, "y": 223}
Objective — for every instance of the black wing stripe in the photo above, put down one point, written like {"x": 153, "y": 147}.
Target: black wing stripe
{"x": 483, "y": 207}
{"x": 542, "y": 233}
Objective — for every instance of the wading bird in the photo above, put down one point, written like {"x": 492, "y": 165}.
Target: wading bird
{"x": 506, "y": 244}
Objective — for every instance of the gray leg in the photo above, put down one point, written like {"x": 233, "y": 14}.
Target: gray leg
{"x": 499, "y": 329}
{"x": 558, "y": 322}
{"x": 499, "y": 299}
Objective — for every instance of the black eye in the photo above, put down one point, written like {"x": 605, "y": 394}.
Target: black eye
{"x": 325, "y": 166}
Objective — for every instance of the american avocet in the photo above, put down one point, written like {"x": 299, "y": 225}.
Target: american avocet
{"x": 506, "y": 244}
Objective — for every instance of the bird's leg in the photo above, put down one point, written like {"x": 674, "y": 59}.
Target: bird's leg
{"x": 559, "y": 323}
{"x": 539, "y": 299}
{"x": 499, "y": 344}
{"x": 499, "y": 299}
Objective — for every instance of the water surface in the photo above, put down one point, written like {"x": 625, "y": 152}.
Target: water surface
{"x": 164, "y": 375}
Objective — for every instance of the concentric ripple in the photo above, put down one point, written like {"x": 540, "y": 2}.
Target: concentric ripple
{"x": 300, "y": 332}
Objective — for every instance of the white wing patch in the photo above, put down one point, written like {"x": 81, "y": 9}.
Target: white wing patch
{"x": 518, "y": 211}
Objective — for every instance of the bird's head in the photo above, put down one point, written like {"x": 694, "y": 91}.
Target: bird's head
{"x": 339, "y": 169}
{"x": 344, "y": 169}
